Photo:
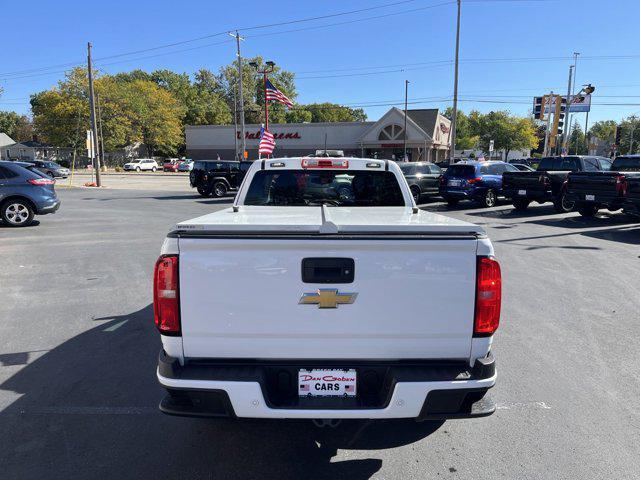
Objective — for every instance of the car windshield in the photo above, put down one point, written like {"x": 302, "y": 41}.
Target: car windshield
{"x": 560, "y": 163}
{"x": 626, "y": 164}
{"x": 51, "y": 165}
{"x": 408, "y": 168}
{"x": 331, "y": 187}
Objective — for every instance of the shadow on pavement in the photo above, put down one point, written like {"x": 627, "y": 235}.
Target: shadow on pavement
{"x": 88, "y": 409}
{"x": 34, "y": 223}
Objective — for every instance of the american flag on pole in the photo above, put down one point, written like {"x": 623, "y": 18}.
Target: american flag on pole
{"x": 274, "y": 94}
{"x": 267, "y": 142}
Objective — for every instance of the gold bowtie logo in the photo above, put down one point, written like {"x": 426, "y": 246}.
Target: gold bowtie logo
{"x": 327, "y": 298}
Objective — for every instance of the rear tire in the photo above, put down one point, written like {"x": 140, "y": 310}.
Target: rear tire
{"x": 219, "y": 189}
{"x": 452, "y": 202}
{"x": 205, "y": 191}
{"x": 588, "y": 211}
{"x": 153, "y": 169}
{"x": 415, "y": 193}
{"x": 562, "y": 205}
{"x": 137, "y": 169}
{"x": 17, "y": 213}
{"x": 489, "y": 199}
{"x": 520, "y": 205}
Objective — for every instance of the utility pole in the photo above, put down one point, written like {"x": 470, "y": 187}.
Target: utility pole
{"x": 100, "y": 129}
{"x": 452, "y": 151}
{"x": 235, "y": 124}
{"x": 94, "y": 129}
{"x": 406, "y": 91}
{"x": 549, "y": 100}
{"x": 565, "y": 140}
{"x": 242, "y": 136}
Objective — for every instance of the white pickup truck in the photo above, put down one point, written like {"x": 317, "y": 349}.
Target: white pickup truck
{"x": 324, "y": 293}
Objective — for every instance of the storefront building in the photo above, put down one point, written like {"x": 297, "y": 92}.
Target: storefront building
{"x": 427, "y": 138}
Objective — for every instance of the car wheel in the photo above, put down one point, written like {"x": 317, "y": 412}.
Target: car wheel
{"x": 17, "y": 213}
{"x": 562, "y": 205}
{"x": 452, "y": 202}
{"x": 489, "y": 199}
{"x": 520, "y": 205}
{"x": 219, "y": 189}
{"x": 205, "y": 191}
{"x": 153, "y": 169}
{"x": 344, "y": 193}
{"x": 415, "y": 193}
{"x": 137, "y": 169}
{"x": 588, "y": 211}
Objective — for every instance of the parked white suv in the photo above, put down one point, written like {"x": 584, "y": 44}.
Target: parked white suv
{"x": 142, "y": 164}
{"x": 325, "y": 293}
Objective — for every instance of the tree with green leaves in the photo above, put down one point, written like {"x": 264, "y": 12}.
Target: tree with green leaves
{"x": 508, "y": 132}
{"x": 17, "y": 126}
{"x": 465, "y": 138}
{"x": 331, "y": 112}
{"x": 604, "y": 130}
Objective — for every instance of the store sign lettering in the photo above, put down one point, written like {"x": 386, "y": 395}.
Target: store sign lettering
{"x": 277, "y": 136}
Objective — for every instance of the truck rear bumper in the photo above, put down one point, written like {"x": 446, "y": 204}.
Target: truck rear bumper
{"x": 419, "y": 390}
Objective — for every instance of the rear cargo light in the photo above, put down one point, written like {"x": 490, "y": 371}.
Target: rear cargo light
{"x": 41, "y": 181}
{"x": 166, "y": 298}
{"x": 474, "y": 180}
{"x": 324, "y": 163}
{"x": 488, "y": 297}
{"x": 621, "y": 185}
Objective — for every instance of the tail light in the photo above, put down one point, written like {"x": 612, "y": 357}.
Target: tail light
{"x": 621, "y": 185}
{"x": 41, "y": 181}
{"x": 474, "y": 180}
{"x": 488, "y": 297}
{"x": 166, "y": 298}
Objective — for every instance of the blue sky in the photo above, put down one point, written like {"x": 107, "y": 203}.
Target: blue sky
{"x": 537, "y": 39}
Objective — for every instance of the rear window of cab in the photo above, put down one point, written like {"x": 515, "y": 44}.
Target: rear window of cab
{"x": 330, "y": 187}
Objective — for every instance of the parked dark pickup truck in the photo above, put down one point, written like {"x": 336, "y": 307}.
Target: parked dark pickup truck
{"x": 547, "y": 183}
{"x": 592, "y": 191}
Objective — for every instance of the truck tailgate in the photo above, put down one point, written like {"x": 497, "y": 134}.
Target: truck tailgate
{"x": 240, "y": 297}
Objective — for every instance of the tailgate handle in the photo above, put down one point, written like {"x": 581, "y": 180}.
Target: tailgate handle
{"x": 328, "y": 270}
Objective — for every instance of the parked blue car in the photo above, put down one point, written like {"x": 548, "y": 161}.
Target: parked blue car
{"x": 477, "y": 181}
{"x": 25, "y": 193}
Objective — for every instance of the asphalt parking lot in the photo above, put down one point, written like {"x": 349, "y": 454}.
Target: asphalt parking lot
{"x": 78, "y": 394}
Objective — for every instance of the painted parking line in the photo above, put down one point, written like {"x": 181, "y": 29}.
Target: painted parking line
{"x": 522, "y": 405}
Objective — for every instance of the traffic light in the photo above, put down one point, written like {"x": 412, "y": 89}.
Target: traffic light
{"x": 538, "y": 107}
{"x": 588, "y": 89}
{"x": 560, "y": 124}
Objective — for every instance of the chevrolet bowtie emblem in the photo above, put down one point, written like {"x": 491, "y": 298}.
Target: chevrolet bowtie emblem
{"x": 327, "y": 298}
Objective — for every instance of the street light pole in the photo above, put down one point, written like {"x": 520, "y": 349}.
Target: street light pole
{"x": 452, "y": 150}
{"x": 241, "y": 99}
{"x": 633, "y": 127}
{"x": 565, "y": 140}
{"x": 94, "y": 127}
{"x": 406, "y": 91}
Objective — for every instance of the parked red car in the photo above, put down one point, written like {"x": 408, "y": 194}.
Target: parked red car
{"x": 171, "y": 165}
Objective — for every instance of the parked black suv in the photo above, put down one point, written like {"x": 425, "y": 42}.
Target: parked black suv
{"x": 423, "y": 178}
{"x": 217, "y": 177}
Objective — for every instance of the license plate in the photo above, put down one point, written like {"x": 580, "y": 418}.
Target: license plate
{"x": 590, "y": 197}
{"x": 454, "y": 183}
{"x": 522, "y": 192}
{"x": 327, "y": 383}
